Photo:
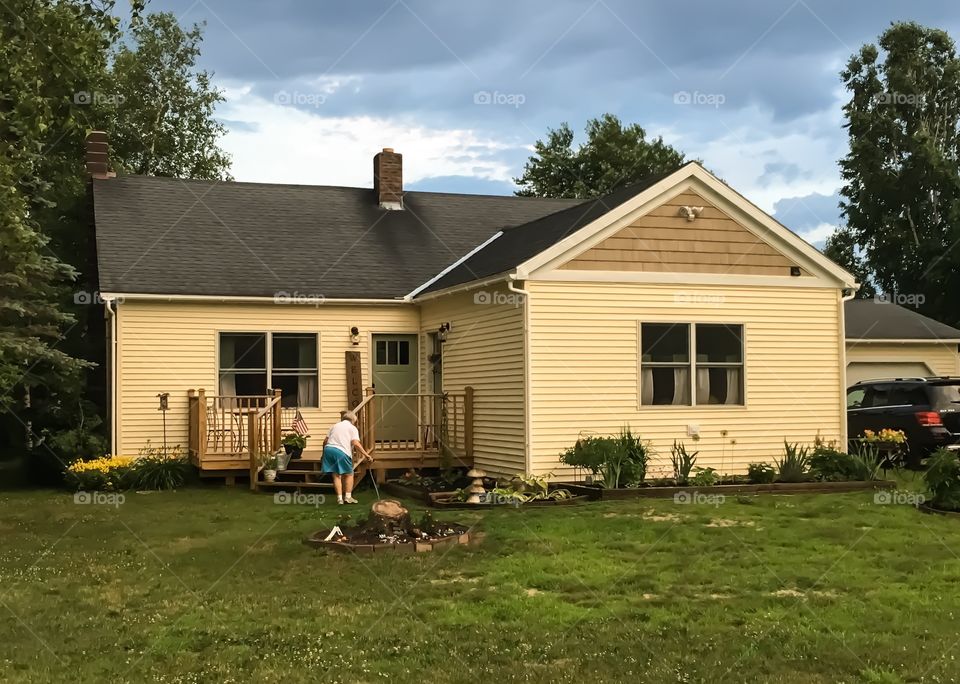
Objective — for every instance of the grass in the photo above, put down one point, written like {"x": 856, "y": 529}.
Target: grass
{"x": 214, "y": 585}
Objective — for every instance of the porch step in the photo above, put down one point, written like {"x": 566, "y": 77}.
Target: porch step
{"x": 294, "y": 485}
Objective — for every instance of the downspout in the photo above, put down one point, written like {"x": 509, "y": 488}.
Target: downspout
{"x": 843, "y": 367}
{"x": 110, "y": 306}
{"x": 527, "y": 422}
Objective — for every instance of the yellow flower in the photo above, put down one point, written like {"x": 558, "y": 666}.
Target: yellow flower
{"x": 101, "y": 465}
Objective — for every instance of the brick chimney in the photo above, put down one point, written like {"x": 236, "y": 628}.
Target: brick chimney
{"x": 98, "y": 155}
{"x": 388, "y": 178}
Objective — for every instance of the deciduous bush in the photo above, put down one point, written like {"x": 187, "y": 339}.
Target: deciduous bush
{"x": 943, "y": 480}
{"x": 761, "y": 473}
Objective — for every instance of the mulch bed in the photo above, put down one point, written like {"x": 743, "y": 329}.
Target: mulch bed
{"x": 448, "y": 500}
{"x": 361, "y": 541}
{"x": 595, "y": 493}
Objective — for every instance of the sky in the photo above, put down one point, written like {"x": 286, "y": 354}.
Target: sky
{"x": 314, "y": 88}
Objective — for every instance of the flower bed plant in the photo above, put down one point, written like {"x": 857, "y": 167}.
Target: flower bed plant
{"x": 152, "y": 468}
{"x": 942, "y": 478}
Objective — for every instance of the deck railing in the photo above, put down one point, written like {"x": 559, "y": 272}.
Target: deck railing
{"x": 219, "y": 433}
{"x": 236, "y": 432}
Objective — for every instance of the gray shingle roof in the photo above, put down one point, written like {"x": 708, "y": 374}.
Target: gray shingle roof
{"x": 170, "y": 236}
{"x": 867, "y": 319}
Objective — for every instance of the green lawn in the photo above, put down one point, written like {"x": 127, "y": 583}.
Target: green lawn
{"x": 211, "y": 584}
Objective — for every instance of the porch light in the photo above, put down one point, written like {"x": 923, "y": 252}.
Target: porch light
{"x": 442, "y": 332}
{"x": 355, "y": 336}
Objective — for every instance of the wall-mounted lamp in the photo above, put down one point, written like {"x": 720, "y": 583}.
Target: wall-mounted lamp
{"x": 442, "y": 332}
{"x": 355, "y": 336}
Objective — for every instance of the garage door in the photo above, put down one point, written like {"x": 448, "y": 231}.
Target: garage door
{"x": 874, "y": 370}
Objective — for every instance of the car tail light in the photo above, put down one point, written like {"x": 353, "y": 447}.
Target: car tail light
{"x": 928, "y": 418}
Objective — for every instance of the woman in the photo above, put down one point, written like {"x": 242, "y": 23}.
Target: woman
{"x": 338, "y": 449}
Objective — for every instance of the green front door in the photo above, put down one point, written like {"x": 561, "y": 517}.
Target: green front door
{"x": 395, "y": 372}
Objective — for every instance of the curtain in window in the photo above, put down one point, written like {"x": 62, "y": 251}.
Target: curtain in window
{"x": 681, "y": 385}
{"x": 646, "y": 386}
{"x": 228, "y": 384}
{"x": 307, "y": 390}
{"x": 703, "y": 385}
{"x": 733, "y": 386}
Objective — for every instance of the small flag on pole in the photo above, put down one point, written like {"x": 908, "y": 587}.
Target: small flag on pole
{"x": 300, "y": 425}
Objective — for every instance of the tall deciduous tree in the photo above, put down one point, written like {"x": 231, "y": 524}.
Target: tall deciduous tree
{"x": 612, "y": 156}
{"x": 901, "y": 192}
{"x": 163, "y": 122}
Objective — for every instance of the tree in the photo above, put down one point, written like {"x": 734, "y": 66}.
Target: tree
{"x": 162, "y": 120}
{"x": 612, "y": 156}
{"x": 65, "y": 71}
{"x": 901, "y": 192}
{"x": 842, "y": 249}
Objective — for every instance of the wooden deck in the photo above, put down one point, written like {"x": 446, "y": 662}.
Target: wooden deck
{"x": 232, "y": 436}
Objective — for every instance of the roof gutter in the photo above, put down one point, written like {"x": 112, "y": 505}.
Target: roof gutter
{"x": 919, "y": 340}
{"x": 286, "y": 298}
{"x": 500, "y": 277}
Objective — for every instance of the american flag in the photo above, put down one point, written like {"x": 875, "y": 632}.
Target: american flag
{"x": 299, "y": 425}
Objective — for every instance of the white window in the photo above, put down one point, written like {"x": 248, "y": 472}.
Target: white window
{"x": 293, "y": 366}
{"x": 669, "y": 373}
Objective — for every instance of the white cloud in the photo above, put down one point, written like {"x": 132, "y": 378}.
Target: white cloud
{"x": 284, "y": 144}
{"x": 818, "y": 234}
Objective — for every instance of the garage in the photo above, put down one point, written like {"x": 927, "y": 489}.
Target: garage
{"x": 875, "y": 370}
{"x": 890, "y": 341}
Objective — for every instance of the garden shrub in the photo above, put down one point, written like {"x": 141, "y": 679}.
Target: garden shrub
{"x": 761, "y": 473}
{"x": 831, "y": 465}
{"x": 613, "y": 461}
{"x": 158, "y": 469}
{"x": 794, "y": 464}
{"x": 152, "y": 468}
{"x": 683, "y": 462}
{"x": 705, "y": 477}
{"x": 943, "y": 480}
{"x": 109, "y": 473}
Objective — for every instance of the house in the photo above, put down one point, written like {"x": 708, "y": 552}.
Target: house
{"x": 492, "y": 329}
{"x": 886, "y": 340}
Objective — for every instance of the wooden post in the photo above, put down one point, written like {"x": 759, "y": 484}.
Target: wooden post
{"x": 253, "y": 440}
{"x": 277, "y": 420}
{"x": 201, "y": 426}
{"x": 371, "y": 419}
{"x": 468, "y": 422}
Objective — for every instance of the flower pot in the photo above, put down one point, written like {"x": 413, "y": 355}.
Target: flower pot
{"x": 269, "y": 475}
{"x": 293, "y": 451}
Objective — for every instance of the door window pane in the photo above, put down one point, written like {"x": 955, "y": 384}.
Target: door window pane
{"x": 381, "y": 352}
{"x": 855, "y": 398}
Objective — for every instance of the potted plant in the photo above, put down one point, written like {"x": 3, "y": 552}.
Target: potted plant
{"x": 270, "y": 469}
{"x": 294, "y": 444}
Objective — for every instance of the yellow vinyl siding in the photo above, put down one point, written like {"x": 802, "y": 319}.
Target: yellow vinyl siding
{"x": 172, "y": 347}
{"x": 663, "y": 240}
{"x": 584, "y": 369}
{"x": 940, "y": 357}
{"x": 485, "y": 350}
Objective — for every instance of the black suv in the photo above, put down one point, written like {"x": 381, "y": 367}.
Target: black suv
{"x": 926, "y": 409}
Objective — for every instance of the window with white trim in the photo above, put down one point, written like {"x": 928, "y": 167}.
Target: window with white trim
{"x": 293, "y": 366}
{"x": 670, "y": 375}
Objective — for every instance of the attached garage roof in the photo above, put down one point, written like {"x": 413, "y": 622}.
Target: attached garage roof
{"x": 870, "y": 319}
